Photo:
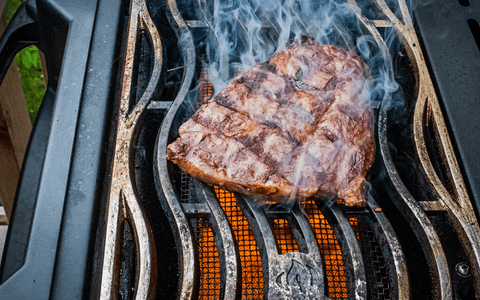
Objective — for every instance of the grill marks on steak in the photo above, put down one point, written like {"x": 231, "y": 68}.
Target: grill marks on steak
{"x": 227, "y": 148}
{"x": 292, "y": 124}
{"x": 273, "y": 100}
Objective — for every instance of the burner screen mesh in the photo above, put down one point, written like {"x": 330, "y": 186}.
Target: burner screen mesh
{"x": 331, "y": 253}
{"x": 208, "y": 258}
{"x": 187, "y": 189}
{"x": 284, "y": 236}
{"x": 252, "y": 273}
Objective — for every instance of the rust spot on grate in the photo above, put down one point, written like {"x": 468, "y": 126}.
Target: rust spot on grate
{"x": 252, "y": 273}
{"x": 209, "y": 262}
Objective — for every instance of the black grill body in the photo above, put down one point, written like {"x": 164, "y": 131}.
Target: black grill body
{"x": 56, "y": 239}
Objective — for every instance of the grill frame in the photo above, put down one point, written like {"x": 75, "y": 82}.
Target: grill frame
{"x": 410, "y": 211}
{"x": 395, "y": 198}
{"x": 341, "y": 229}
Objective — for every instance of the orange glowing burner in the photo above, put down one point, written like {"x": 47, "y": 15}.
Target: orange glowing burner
{"x": 252, "y": 272}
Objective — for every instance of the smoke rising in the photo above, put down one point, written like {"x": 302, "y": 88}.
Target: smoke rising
{"x": 248, "y": 32}
{"x": 245, "y": 33}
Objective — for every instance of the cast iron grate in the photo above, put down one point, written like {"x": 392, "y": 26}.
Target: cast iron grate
{"x": 252, "y": 273}
{"x": 378, "y": 285}
{"x": 330, "y": 251}
{"x": 209, "y": 262}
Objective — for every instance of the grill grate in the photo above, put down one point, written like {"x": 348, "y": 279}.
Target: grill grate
{"x": 330, "y": 251}
{"x": 378, "y": 285}
{"x": 252, "y": 273}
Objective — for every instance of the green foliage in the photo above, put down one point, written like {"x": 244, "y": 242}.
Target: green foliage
{"x": 33, "y": 83}
{"x": 30, "y": 68}
{"x": 10, "y": 8}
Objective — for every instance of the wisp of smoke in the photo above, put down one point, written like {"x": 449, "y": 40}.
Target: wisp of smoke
{"x": 248, "y": 32}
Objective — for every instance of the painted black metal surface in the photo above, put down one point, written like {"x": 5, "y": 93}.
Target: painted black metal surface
{"x": 49, "y": 247}
{"x": 450, "y": 33}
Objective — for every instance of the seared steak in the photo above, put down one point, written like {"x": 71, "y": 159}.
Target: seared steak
{"x": 290, "y": 127}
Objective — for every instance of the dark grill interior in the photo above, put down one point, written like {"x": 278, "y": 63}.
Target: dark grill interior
{"x": 187, "y": 188}
{"x": 376, "y": 268}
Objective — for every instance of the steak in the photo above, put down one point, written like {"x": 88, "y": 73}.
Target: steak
{"x": 294, "y": 126}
